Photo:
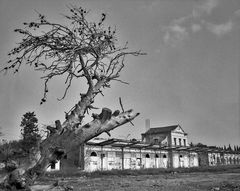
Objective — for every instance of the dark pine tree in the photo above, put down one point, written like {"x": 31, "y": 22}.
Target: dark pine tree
{"x": 235, "y": 148}
{"x": 29, "y": 131}
{"x": 224, "y": 148}
{"x": 229, "y": 147}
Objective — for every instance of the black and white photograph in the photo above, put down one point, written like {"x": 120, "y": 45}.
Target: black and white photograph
{"x": 110, "y": 95}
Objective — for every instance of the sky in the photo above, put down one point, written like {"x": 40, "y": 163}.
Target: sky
{"x": 190, "y": 75}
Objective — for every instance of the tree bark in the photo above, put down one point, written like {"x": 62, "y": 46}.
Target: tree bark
{"x": 60, "y": 141}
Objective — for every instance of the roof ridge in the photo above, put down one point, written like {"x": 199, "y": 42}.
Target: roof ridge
{"x": 166, "y": 126}
{"x": 161, "y": 129}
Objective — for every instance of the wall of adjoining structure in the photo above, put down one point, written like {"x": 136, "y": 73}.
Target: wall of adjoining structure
{"x": 214, "y": 159}
{"x": 203, "y": 159}
{"x": 108, "y": 158}
{"x": 185, "y": 159}
{"x": 232, "y": 159}
{"x": 217, "y": 158}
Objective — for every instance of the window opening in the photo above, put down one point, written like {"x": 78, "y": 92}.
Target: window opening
{"x": 93, "y": 154}
{"x": 175, "y": 141}
{"x": 180, "y": 142}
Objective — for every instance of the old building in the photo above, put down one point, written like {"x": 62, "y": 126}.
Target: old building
{"x": 160, "y": 147}
{"x": 172, "y": 137}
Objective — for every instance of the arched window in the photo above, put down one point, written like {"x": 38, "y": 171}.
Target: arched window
{"x": 93, "y": 154}
{"x": 164, "y": 156}
{"x": 156, "y": 156}
{"x": 147, "y": 156}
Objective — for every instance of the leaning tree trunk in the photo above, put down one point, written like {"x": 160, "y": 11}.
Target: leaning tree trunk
{"x": 67, "y": 136}
{"x": 62, "y": 140}
{"x": 84, "y": 51}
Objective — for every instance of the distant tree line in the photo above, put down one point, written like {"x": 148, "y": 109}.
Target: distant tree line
{"x": 235, "y": 148}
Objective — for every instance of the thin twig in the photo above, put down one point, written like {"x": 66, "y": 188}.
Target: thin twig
{"x": 120, "y": 101}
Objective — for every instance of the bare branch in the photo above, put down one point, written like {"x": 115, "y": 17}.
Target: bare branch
{"x": 84, "y": 49}
{"x": 120, "y": 101}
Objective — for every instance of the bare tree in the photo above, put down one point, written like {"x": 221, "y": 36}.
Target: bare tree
{"x": 83, "y": 50}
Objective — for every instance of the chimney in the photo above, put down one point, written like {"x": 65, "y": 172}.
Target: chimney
{"x": 147, "y": 124}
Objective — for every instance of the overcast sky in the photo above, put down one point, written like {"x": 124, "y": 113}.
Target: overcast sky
{"x": 190, "y": 75}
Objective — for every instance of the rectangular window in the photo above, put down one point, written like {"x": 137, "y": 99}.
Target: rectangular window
{"x": 175, "y": 141}
{"x": 180, "y": 142}
{"x": 184, "y": 142}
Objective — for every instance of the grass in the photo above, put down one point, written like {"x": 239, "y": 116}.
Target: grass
{"x": 181, "y": 179}
{"x": 149, "y": 171}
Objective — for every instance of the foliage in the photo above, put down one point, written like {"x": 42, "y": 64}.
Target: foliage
{"x": 29, "y": 131}
{"x": 11, "y": 150}
{"x": 201, "y": 145}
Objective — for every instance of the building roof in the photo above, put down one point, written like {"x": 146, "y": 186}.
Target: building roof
{"x": 156, "y": 130}
{"x": 121, "y": 143}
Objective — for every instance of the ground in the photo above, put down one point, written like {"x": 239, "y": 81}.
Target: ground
{"x": 179, "y": 181}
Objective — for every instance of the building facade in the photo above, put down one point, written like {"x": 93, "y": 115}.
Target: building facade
{"x": 160, "y": 147}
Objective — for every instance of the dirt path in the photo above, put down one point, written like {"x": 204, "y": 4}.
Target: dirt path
{"x": 163, "y": 182}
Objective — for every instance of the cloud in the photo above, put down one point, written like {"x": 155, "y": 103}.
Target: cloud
{"x": 220, "y": 29}
{"x": 174, "y": 34}
{"x": 181, "y": 28}
{"x": 196, "y": 27}
{"x": 237, "y": 13}
{"x": 205, "y": 8}
{"x": 181, "y": 20}
{"x": 177, "y": 32}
